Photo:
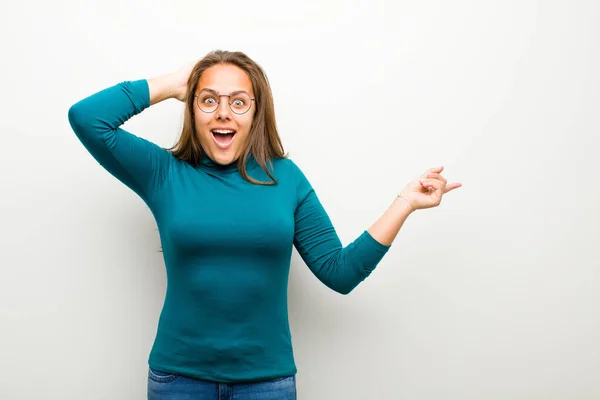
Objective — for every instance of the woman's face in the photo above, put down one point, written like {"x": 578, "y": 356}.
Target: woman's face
{"x": 223, "y": 133}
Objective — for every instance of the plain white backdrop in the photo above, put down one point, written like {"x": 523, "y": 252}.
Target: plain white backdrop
{"x": 492, "y": 295}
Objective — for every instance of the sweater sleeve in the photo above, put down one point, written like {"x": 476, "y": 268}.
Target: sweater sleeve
{"x": 138, "y": 163}
{"x": 339, "y": 268}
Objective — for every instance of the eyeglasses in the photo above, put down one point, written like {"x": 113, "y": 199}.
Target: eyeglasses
{"x": 239, "y": 102}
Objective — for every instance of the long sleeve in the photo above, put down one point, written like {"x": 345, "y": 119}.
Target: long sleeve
{"x": 138, "y": 163}
{"x": 339, "y": 268}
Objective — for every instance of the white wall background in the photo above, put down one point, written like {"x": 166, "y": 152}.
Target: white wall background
{"x": 493, "y": 295}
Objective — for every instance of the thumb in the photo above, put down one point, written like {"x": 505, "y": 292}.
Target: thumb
{"x": 435, "y": 170}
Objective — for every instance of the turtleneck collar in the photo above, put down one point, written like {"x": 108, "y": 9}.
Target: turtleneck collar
{"x": 209, "y": 164}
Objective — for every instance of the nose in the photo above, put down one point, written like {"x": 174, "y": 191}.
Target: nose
{"x": 223, "y": 111}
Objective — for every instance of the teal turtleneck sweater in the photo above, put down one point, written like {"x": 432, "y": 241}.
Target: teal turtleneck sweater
{"x": 227, "y": 245}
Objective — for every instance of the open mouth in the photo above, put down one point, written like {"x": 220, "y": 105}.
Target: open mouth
{"x": 223, "y": 137}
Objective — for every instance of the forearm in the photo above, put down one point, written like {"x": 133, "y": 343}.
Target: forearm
{"x": 339, "y": 267}
{"x": 97, "y": 117}
{"x": 386, "y": 228}
{"x": 162, "y": 88}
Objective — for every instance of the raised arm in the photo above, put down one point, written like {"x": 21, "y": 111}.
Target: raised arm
{"x": 138, "y": 163}
{"x": 343, "y": 268}
{"x": 339, "y": 268}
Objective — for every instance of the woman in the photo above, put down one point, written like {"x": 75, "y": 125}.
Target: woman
{"x": 230, "y": 206}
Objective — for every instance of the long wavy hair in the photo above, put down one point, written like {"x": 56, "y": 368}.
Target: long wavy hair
{"x": 263, "y": 143}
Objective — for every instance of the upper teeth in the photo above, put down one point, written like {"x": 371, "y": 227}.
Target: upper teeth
{"x": 222, "y": 131}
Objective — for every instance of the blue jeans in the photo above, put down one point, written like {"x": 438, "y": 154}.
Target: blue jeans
{"x": 167, "y": 386}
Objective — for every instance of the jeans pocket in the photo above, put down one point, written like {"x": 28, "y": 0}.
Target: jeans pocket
{"x": 161, "y": 376}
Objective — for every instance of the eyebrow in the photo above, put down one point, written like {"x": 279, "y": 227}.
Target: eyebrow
{"x": 231, "y": 94}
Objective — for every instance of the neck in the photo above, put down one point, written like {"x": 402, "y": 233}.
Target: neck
{"x": 208, "y": 163}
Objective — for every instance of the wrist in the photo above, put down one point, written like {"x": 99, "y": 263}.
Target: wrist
{"x": 162, "y": 88}
{"x": 402, "y": 202}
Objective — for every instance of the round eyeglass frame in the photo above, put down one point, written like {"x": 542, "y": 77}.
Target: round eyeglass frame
{"x": 196, "y": 96}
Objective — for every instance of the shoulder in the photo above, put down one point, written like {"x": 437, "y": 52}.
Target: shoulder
{"x": 288, "y": 172}
{"x": 287, "y": 168}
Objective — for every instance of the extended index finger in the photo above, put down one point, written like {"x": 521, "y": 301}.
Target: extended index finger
{"x": 452, "y": 186}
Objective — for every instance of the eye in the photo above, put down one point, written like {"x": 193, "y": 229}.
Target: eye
{"x": 209, "y": 100}
{"x": 239, "y": 102}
